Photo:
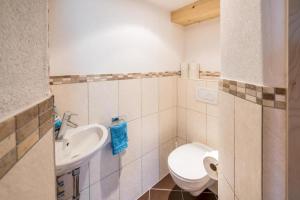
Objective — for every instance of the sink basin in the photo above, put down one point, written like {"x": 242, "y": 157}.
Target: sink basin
{"x": 78, "y": 146}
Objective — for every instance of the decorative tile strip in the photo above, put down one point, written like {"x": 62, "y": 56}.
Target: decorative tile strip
{"x": 68, "y": 79}
{"x": 265, "y": 96}
{"x": 209, "y": 74}
{"x": 21, "y": 132}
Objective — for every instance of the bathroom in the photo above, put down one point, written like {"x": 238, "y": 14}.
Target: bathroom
{"x": 175, "y": 82}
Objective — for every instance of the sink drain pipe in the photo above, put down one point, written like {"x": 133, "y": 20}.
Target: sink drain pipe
{"x": 76, "y": 193}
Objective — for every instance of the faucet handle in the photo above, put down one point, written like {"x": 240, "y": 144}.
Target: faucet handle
{"x": 67, "y": 117}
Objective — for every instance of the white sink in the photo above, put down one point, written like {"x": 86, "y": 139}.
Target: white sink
{"x": 78, "y": 146}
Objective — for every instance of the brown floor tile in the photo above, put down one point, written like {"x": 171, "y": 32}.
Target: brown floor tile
{"x": 145, "y": 196}
{"x": 206, "y": 195}
{"x": 167, "y": 183}
{"x": 165, "y": 195}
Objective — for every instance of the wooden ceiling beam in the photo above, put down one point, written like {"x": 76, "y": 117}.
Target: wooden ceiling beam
{"x": 196, "y": 12}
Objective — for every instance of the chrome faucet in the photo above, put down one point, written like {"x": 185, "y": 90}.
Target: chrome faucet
{"x": 66, "y": 124}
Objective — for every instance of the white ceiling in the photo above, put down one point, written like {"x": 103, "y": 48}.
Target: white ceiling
{"x": 171, "y": 4}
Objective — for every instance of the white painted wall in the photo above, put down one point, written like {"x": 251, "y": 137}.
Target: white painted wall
{"x": 115, "y": 36}
{"x": 253, "y": 41}
{"x": 202, "y": 44}
{"x": 23, "y": 55}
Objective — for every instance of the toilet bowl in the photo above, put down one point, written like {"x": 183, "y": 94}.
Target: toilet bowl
{"x": 187, "y": 170}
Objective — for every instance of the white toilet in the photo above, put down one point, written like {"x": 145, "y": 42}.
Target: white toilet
{"x": 187, "y": 169}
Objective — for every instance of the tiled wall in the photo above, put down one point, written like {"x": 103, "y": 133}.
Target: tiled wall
{"x": 197, "y": 121}
{"x": 149, "y": 106}
{"x": 27, "y": 154}
{"x": 21, "y": 132}
{"x": 252, "y": 147}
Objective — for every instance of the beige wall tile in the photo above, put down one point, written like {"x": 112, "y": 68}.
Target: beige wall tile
{"x": 45, "y": 127}
{"x": 130, "y": 104}
{"x": 7, "y": 127}
{"x": 248, "y": 150}
{"x": 32, "y": 178}
{"x": 192, "y": 103}
{"x": 213, "y": 136}
{"x": 27, "y": 129}
{"x": 225, "y": 191}
{"x": 226, "y": 151}
{"x": 150, "y": 133}
{"x": 167, "y": 92}
{"x": 196, "y": 127}
{"x": 46, "y": 105}
{"x": 167, "y": 125}
{"x": 182, "y": 92}
{"x": 134, "y": 150}
{"x": 274, "y": 153}
{"x": 103, "y": 102}
{"x": 7, "y": 144}
{"x": 182, "y": 123}
{"x": 149, "y": 96}
{"x": 72, "y": 97}
{"x": 25, "y": 145}
{"x": 7, "y": 161}
{"x": 26, "y": 116}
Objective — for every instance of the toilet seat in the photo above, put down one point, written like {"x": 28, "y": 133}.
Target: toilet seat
{"x": 186, "y": 162}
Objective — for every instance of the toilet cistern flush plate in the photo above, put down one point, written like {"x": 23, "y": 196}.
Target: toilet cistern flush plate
{"x": 78, "y": 146}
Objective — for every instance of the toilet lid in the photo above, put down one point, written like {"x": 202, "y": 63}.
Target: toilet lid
{"x": 186, "y": 161}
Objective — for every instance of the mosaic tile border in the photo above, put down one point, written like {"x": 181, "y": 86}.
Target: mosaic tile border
{"x": 68, "y": 79}
{"x": 265, "y": 96}
{"x": 209, "y": 74}
{"x": 21, "y": 132}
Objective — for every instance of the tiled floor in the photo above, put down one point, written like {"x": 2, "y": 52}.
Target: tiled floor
{"x": 166, "y": 189}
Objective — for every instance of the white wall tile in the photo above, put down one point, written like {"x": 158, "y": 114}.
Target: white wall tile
{"x": 84, "y": 177}
{"x": 103, "y": 164}
{"x": 167, "y": 92}
{"x": 103, "y": 102}
{"x": 106, "y": 189}
{"x": 164, "y": 151}
{"x": 196, "y": 127}
{"x": 131, "y": 181}
{"x": 85, "y": 194}
{"x": 274, "y": 154}
{"x": 182, "y": 92}
{"x": 150, "y": 133}
{"x": 134, "y": 150}
{"x": 212, "y": 110}
{"x": 180, "y": 141}
{"x": 167, "y": 125}
{"x": 192, "y": 103}
{"x": 72, "y": 97}
{"x": 248, "y": 150}
{"x": 150, "y": 169}
{"x": 213, "y": 136}
{"x": 149, "y": 96}
{"x": 130, "y": 99}
{"x": 212, "y": 84}
{"x": 226, "y": 151}
{"x": 181, "y": 123}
